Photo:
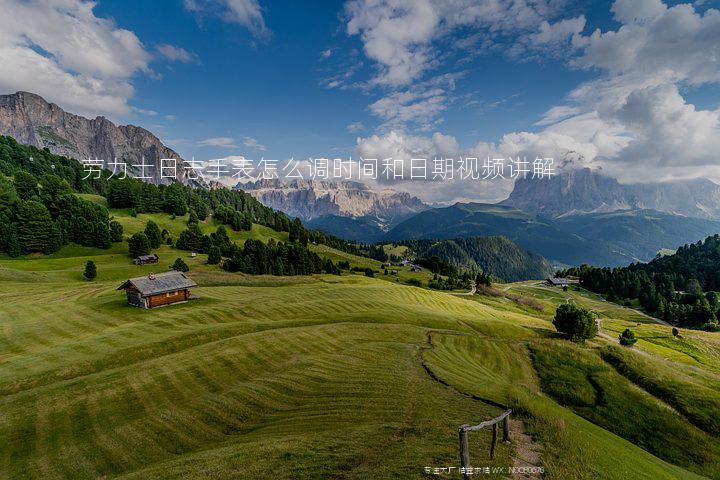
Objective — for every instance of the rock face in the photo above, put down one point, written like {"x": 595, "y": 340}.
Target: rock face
{"x": 311, "y": 199}
{"x": 583, "y": 191}
{"x": 33, "y": 121}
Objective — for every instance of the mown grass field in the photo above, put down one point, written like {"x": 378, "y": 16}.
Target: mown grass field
{"x": 329, "y": 377}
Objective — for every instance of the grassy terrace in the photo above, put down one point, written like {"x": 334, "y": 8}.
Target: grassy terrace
{"x": 328, "y": 377}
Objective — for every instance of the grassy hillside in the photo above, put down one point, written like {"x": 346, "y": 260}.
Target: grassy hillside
{"x": 323, "y": 377}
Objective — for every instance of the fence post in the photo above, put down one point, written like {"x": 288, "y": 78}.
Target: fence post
{"x": 506, "y": 429}
{"x": 464, "y": 451}
{"x": 494, "y": 440}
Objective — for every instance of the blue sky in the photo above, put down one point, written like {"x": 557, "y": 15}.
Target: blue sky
{"x": 623, "y": 85}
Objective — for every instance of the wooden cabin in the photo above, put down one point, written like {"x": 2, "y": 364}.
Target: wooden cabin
{"x": 146, "y": 259}
{"x": 557, "y": 282}
{"x": 158, "y": 289}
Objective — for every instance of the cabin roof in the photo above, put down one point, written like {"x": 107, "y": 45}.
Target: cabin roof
{"x": 152, "y": 256}
{"x": 159, "y": 283}
{"x": 559, "y": 281}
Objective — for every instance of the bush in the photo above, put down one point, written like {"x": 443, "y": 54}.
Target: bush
{"x": 90, "y": 270}
{"x": 414, "y": 282}
{"x": 627, "y": 338}
{"x": 138, "y": 245}
{"x": 575, "y": 322}
{"x": 180, "y": 266}
{"x": 369, "y": 272}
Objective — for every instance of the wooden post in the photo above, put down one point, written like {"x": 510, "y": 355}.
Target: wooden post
{"x": 494, "y": 440}
{"x": 506, "y": 429}
{"x": 464, "y": 451}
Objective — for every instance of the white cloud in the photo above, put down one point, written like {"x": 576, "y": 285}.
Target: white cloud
{"x": 176, "y": 54}
{"x": 355, "y": 127}
{"x": 253, "y": 143}
{"x": 170, "y": 117}
{"x": 242, "y": 12}
{"x": 60, "y": 50}
{"x": 225, "y": 142}
{"x": 326, "y": 53}
{"x": 400, "y": 35}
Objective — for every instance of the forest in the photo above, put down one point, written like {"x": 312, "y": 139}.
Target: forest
{"x": 39, "y": 211}
{"x": 680, "y": 289}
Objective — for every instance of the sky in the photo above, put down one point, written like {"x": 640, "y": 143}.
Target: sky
{"x": 628, "y": 86}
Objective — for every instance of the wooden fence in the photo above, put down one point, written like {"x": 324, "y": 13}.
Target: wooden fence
{"x": 464, "y": 429}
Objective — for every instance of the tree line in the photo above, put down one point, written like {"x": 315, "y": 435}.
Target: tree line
{"x": 39, "y": 213}
{"x": 680, "y": 288}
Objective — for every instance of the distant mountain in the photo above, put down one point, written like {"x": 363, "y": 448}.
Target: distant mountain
{"x": 32, "y": 121}
{"x": 529, "y": 231}
{"x": 344, "y": 208}
{"x": 603, "y": 239}
{"x": 360, "y": 229}
{"x": 582, "y": 191}
{"x": 495, "y": 255}
{"x": 639, "y": 234}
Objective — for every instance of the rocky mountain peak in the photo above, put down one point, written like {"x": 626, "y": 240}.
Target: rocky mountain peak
{"x": 31, "y": 120}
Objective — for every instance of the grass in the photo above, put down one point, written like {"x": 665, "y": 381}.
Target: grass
{"x": 327, "y": 377}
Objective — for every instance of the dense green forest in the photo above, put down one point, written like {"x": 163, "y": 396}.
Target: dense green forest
{"x": 39, "y": 211}
{"x": 680, "y": 288}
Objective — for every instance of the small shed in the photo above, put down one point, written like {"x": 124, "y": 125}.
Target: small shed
{"x": 146, "y": 259}
{"x": 158, "y": 289}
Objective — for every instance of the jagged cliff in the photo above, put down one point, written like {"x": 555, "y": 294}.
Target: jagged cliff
{"x": 33, "y": 121}
{"x": 583, "y": 191}
{"x": 311, "y": 199}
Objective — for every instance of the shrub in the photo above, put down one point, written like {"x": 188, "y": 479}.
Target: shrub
{"x": 369, "y": 272}
{"x": 575, "y": 322}
{"x": 180, "y": 266}
{"x": 414, "y": 282}
{"x": 627, "y": 338}
{"x": 90, "y": 270}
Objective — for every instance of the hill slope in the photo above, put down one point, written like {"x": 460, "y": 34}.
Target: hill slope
{"x": 528, "y": 231}
{"x": 497, "y": 256}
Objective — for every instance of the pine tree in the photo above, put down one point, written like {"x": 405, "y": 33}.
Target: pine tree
{"x": 116, "y": 231}
{"x": 35, "y": 232}
{"x": 90, "y": 270}
{"x": 214, "y": 255}
{"x": 152, "y": 232}
{"x": 138, "y": 245}
{"x": 180, "y": 266}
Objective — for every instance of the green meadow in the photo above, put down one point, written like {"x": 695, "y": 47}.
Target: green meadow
{"x": 342, "y": 377}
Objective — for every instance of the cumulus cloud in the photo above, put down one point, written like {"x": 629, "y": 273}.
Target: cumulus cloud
{"x": 643, "y": 125}
{"x": 400, "y": 35}
{"x": 59, "y": 49}
{"x": 242, "y": 12}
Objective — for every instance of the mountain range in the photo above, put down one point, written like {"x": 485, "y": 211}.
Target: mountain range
{"x": 33, "y": 121}
{"x": 344, "y": 208}
{"x": 583, "y": 190}
{"x": 577, "y": 216}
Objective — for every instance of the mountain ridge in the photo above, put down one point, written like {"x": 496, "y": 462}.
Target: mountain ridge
{"x": 31, "y": 120}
